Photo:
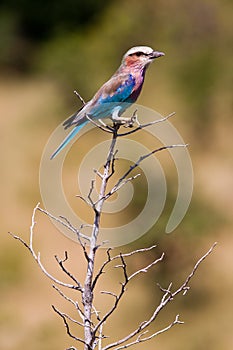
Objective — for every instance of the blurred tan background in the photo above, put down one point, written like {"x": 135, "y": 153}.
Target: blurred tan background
{"x": 49, "y": 49}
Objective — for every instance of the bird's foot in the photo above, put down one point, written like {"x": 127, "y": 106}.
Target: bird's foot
{"x": 131, "y": 121}
{"x": 127, "y": 122}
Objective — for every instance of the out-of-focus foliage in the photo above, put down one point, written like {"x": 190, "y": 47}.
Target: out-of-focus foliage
{"x": 40, "y": 19}
{"x": 24, "y": 24}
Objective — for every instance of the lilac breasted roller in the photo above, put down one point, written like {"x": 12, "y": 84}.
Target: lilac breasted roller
{"x": 116, "y": 95}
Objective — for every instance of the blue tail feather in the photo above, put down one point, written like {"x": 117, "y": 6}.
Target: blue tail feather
{"x": 68, "y": 138}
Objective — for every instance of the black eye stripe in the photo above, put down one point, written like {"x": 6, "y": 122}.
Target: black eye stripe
{"x": 139, "y": 53}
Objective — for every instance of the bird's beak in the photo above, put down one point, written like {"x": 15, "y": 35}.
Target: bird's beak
{"x": 156, "y": 54}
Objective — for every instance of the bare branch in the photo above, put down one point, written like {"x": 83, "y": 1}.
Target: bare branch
{"x": 92, "y": 186}
{"x": 105, "y": 128}
{"x": 112, "y": 168}
{"x": 145, "y": 269}
{"x": 101, "y": 269}
{"x": 98, "y": 173}
{"x": 126, "y": 280}
{"x": 184, "y": 287}
{"x": 65, "y": 223}
{"x": 123, "y": 180}
{"x": 124, "y": 267}
{"x": 80, "y": 97}
{"x": 61, "y": 264}
{"x": 148, "y": 155}
{"x": 110, "y": 259}
{"x": 68, "y": 317}
{"x": 176, "y": 321}
{"x": 87, "y": 295}
{"x": 64, "y": 316}
{"x": 143, "y": 126}
{"x": 118, "y": 186}
{"x": 37, "y": 256}
{"x": 33, "y": 223}
{"x": 83, "y": 199}
{"x": 113, "y": 308}
{"x": 96, "y": 312}
{"x": 166, "y": 291}
{"x": 67, "y": 285}
{"x": 166, "y": 298}
{"x": 20, "y": 240}
{"x": 141, "y": 250}
{"x": 74, "y": 303}
{"x": 109, "y": 293}
{"x": 64, "y": 296}
{"x": 140, "y": 338}
{"x": 93, "y": 330}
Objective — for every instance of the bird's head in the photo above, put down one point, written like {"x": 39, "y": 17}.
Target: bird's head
{"x": 140, "y": 57}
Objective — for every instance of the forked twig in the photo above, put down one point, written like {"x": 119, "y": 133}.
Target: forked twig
{"x": 143, "y": 126}
{"x": 92, "y": 320}
{"x": 64, "y": 318}
{"x": 65, "y": 223}
{"x": 36, "y": 257}
{"x": 165, "y": 299}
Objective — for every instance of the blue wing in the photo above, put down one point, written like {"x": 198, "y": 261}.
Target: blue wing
{"x": 117, "y": 89}
{"x": 115, "y": 92}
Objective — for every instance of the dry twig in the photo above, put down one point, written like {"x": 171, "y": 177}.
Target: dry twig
{"x": 92, "y": 321}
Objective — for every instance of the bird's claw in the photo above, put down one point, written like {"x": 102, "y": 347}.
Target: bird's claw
{"x": 130, "y": 123}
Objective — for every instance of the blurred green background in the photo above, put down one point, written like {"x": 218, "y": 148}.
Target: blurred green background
{"x": 47, "y": 50}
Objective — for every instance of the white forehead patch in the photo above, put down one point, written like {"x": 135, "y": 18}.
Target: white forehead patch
{"x": 146, "y": 49}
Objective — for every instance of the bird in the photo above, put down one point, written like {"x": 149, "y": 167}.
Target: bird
{"x": 116, "y": 95}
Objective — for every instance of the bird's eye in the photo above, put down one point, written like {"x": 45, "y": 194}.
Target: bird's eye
{"x": 139, "y": 53}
